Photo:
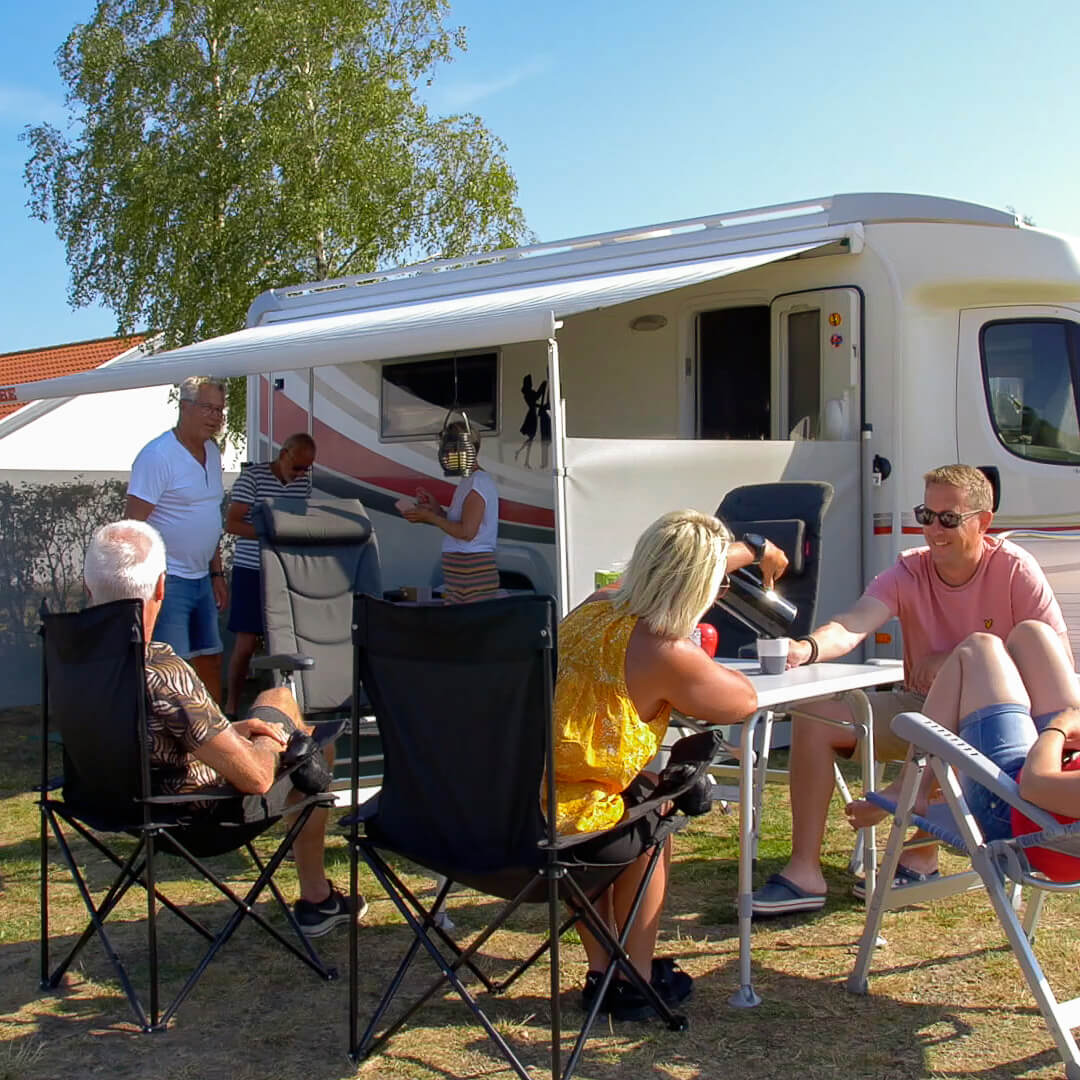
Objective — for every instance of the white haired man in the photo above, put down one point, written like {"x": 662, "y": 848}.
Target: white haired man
{"x": 192, "y": 745}
{"x": 176, "y": 486}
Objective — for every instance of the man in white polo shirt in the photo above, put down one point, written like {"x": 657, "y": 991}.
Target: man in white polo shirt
{"x": 176, "y": 487}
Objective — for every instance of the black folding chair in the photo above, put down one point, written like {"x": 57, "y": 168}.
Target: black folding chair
{"x": 463, "y": 695}
{"x": 94, "y": 696}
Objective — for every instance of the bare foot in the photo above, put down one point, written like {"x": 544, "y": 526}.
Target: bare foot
{"x": 862, "y": 814}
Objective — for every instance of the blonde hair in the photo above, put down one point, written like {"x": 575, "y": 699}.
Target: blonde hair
{"x": 978, "y": 494}
{"x": 675, "y": 572}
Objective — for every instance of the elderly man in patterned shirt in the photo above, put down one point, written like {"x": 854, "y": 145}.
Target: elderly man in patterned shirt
{"x": 192, "y": 745}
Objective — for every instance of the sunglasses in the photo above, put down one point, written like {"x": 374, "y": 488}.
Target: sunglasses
{"x": 721, "y": 592}
{"x": 950, "y": 519}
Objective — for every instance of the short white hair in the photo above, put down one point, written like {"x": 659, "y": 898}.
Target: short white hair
{"x": 189, "y": 388}
{"x": 124, "y": 561}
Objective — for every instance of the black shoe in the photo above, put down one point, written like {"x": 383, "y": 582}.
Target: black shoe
{"x": 670, "y": 981}
{"x": 318, "y": 919}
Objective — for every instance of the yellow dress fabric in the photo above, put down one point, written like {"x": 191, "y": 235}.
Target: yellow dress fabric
{"x": 601, "y": 743}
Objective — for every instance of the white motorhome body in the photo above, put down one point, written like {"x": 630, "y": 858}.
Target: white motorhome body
{"x": 859, "y": 339}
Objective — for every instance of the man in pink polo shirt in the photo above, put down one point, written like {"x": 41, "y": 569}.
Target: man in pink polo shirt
{"x": 962, "y": 582}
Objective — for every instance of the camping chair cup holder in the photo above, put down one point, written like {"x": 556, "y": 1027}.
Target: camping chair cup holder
{"x": 94, "y": 696}
{"x": 464, "y": 695}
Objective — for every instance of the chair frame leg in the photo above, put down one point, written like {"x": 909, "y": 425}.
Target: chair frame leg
{"x": 421, "y": 921}
{"x": 138, "y": 869}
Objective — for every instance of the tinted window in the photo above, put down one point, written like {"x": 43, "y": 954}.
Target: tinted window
{"x": 1030, "y": 375}
{"x": 416, "y": 396}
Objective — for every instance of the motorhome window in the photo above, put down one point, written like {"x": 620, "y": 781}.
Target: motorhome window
{"x": 804, "y": 373}
{"x": 734, "y": 373}
{"x": 1030, "y": 375}
{"x": 416, "y": 396}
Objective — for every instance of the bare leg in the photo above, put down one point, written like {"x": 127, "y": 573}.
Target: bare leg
{"x": 1045, "y": 667}
{"x": 208, "y": 668}
{"x": 243, "y": 650}
{"x": 614, "y": 907}
{"x": 813, "y": 747}
{"x": 310, "y": 843}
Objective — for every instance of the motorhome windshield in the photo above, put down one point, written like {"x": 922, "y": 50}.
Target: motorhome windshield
{"x": 1030, "y": 375}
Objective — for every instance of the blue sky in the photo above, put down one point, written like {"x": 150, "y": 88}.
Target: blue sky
{"x": 620, "y": 112}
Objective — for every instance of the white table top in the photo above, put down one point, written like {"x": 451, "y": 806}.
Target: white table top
{"x": 812, "y": 681}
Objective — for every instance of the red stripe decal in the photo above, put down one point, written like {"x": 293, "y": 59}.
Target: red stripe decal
{"x": 344, "y": 455}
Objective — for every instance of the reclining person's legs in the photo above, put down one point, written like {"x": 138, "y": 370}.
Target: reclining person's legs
{"x": 1046, "y": 669}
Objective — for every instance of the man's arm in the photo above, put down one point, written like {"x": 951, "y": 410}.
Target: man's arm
{"x": 843, "y": 633}
{"x": 249, "y": 764}
{"x": 137, "y": 509}
{"x": 235, "y": 523}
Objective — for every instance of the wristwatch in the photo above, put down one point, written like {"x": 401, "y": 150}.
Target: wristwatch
{"x": 756, "y": 543}
{"x": 217, "y": 573}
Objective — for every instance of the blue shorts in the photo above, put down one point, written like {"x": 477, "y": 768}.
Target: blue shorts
{"x": 188, "y": 620}
{"x": 245, "y": 610}
{"x": 1004, "y": 733}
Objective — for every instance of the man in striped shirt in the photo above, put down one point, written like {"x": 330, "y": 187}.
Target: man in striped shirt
{"x": 289, "y": 475}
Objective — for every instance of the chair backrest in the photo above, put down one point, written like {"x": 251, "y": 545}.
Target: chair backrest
{"x": 94, "y": 696}
{"x": 463, "y": 695}
{"x": 791, "y": 515}
{"x": 315, "y": 554}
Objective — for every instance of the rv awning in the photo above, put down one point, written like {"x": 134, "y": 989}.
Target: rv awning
{"x": 478, "y": 320}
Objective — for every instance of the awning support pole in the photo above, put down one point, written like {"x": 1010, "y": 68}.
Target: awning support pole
{"x": 558, "y": 464}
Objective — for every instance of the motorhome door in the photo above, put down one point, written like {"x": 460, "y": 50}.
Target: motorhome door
{"x": 817, "y": 340}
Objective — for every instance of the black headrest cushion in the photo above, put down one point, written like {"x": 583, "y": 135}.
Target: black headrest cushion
{"x": 788, "y": 534}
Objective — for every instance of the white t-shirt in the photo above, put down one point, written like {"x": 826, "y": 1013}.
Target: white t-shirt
{"x": 187, "y": 501}
{"x": 484, "y": 485}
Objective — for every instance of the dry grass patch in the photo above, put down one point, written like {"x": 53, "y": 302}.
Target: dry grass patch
{"x": 946, "y": 1000}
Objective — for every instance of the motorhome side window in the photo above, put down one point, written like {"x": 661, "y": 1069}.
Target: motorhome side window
{"x": 417, "y": 395}
{"x": 1030, "y": 375}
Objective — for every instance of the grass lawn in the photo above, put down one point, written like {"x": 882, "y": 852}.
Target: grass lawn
{"x": 946, "y": 1000}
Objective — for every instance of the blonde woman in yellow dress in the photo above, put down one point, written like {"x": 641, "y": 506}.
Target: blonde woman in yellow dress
{"x": 625, "y": 660}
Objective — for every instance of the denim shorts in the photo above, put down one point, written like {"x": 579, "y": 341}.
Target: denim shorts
{"x": 245, "y": 610}
{"x": 1004, "y": 733}
{"x": 188, "y": 620}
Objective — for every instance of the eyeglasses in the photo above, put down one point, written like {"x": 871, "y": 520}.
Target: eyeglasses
{"x": 950, "y": 519}
{"x": 210, "y": 410}
{"x": 725, "y": 585}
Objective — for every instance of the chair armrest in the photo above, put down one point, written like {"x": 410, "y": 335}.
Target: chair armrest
{"x": 924, "y": 733}
{"x": 283, "y": 662}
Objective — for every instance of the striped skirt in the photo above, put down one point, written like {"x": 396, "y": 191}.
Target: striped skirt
{"x": 469, "y": 576}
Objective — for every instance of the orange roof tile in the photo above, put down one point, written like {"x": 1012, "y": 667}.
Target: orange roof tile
{"x": 56, "y": 360}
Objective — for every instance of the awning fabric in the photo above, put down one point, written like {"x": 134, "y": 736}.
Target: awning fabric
{"x": 456, "y": 323}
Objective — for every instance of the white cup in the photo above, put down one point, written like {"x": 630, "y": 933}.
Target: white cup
{"x": 772, "y": 652}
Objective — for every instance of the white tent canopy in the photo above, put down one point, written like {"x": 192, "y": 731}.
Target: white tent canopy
{"x": 458, "y": 323}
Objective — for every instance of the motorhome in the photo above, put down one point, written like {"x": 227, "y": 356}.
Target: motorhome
{"x": 859, "y": 339}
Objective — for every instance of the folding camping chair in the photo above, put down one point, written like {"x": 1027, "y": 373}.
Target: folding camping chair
{"x": 463, "y": 695}
{"x": 315, "y": 554}
{"x": 999, "y": 866}
{"x": 94, "y": 695}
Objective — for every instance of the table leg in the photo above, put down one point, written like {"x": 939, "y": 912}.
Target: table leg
{"x": 864, "y": 725}
{"x": 745, "y": 997}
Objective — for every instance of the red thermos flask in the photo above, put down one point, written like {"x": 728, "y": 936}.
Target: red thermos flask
{"x": 705, "y": 635}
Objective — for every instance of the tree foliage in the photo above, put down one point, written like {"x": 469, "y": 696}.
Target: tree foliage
{"x": 217, "y": 148}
